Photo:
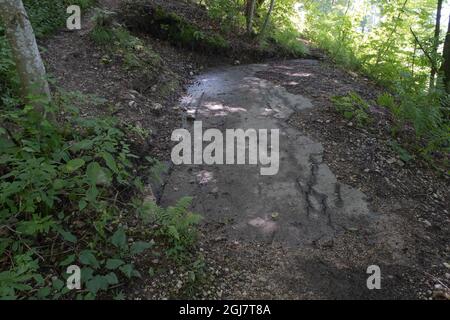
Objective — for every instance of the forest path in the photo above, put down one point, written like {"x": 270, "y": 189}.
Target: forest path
{"x": 304, "y": 232}
{"x": 302, "y": 203}
{"x": 308, "y": 232}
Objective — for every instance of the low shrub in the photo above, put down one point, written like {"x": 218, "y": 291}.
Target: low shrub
{"x": 353, "y": 107}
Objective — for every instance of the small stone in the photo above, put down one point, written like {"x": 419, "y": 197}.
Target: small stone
{"x": 427, "y": 223}
{"x": 149, "y": 196}
{"x": 350, "y": 124}
{"x": 215, "y": 190}
{"x": 391, "y": 160}
{"x": 441, "y": 295}
{"x": 156, "y": 107}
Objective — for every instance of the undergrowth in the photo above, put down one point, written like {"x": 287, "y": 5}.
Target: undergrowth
{"x": 428, "y": 115}
{"x": 69, "y": 191}
{"x": 182, "y": 33}
{"x": 68, "y": 196}
{"x": 288, "y": 41}
{"x": 425, "y": 115}
{"x": 353, "y": 107}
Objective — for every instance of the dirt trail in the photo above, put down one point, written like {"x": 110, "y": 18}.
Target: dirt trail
{"x": 310, "y": 231}
{"x": 303, "y": 203}
{"x": 298, "y": 234}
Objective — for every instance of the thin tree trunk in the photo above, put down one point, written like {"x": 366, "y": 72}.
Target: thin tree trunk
{"x": 389, "y": 40}
{"x": 250, "y": 14}
{"x": 445, "y": 68}
{"x": 413, "y": 61}
{"x": 266, "y": 21}
{"x": 437, "y": 31}
{"x": 25, "y": 51}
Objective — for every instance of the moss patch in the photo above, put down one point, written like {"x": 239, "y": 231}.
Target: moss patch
{"x": 177, "y": 30}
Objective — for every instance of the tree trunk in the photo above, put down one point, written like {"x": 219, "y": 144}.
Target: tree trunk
{"x": 445, "y": 68}
{"x": 250, "y": 14}
{"x": 384, "y": 49}
{"x": 434, "y": 53}
{"x": 266, "y": 21}
{"x": 25, "y": 51}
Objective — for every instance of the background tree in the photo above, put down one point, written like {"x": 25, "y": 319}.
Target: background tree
{"x": 25, "y": 51}
{"x": 445, "y": 68}
{"x": 434, "y": 53}
{"x": 250, "y": 13}
{"x": 266, "y": 20}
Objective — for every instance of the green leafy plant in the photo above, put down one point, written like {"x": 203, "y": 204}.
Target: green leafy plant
{"x": 403, "y": 153}
{"x": 288, "y": 40}
{"x": 177, "y": 225}
{"x": 61, "y": 188}
{"x": 353, "y": 107}
{"x": 424, "y": 112}
{"x": 67, "y": 188}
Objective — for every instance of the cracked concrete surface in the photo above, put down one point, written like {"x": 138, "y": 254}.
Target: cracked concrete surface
{"x": 303, "y": 204}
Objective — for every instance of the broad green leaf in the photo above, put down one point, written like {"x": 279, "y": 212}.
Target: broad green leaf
{"x": 58, "y": 284}
{"x": 82, "y": 204}
{"x": 113, "y": 264}
{"x": 92, "y": 194}
{"x": 82, "y": 145}
{"x": 110, "y": 162}
{"x": 43, "y": 293}
{"x": 74, "y": 165}
{"x": 39, "y": 279}
{"x": 67, "y": 236}
{"x": 96, "y": 284}
{"x": 88, "y": 258}
{"x": 58, "y": 184}
{"x": 119, "y": 238}
{"x": 111, "y": 278}
{"x": 93, "y": 172}
{"x": 67, "y": 261}
{"x": 140, "y": 246}
{"x": 87, "y": 274}
{"x": 127, "y": 270}
{"x": 97, "y": 175}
